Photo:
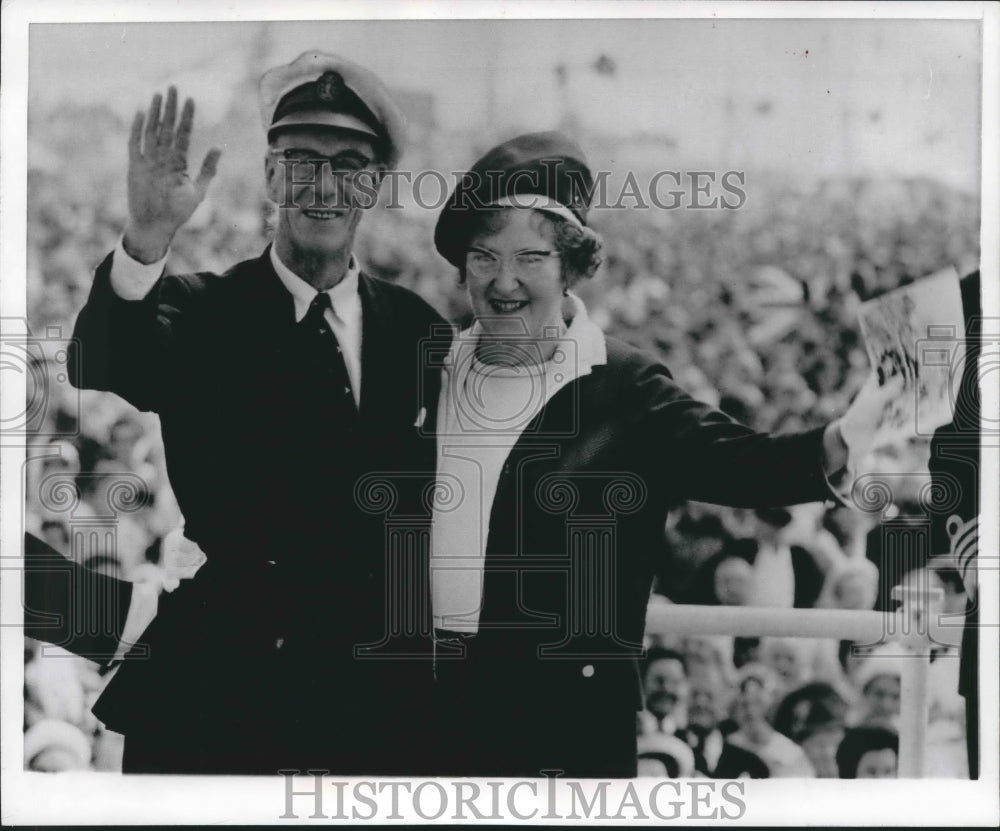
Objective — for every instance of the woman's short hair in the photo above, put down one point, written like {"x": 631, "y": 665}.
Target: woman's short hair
{"x": 824, "y": 704}
{"x": 660, "y": 653}
{"x": 759, "y": 674}
{"x": 861, "y": 740}
{"x": 579, "y": 247}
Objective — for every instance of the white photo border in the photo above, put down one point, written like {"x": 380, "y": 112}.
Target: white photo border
{"x": 113, "y": 799}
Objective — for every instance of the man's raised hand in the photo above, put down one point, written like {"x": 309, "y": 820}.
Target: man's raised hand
{"x": 161, "y": 194}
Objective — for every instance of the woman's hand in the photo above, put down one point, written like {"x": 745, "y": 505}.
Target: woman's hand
{"x": 866, "y": 419}
{"x": 161, "y": 194}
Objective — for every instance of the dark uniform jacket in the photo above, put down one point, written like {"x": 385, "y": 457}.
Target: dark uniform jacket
{"x": 551, "y": 679}
{"x": 288, "y": 647}
{"x": 954, "y": 465}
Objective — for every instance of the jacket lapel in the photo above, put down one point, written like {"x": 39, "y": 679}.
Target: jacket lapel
{"x": 265, "y": 307}
{"x": 380, "y": 358}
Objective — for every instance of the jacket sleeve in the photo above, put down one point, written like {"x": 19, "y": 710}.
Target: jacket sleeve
{"x": 70, "y": 606}
{"x": 714, "y": 458}
{"x": 127, "y": 346}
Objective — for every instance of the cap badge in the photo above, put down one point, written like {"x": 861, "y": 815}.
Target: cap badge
{"x": 329, "y": 85}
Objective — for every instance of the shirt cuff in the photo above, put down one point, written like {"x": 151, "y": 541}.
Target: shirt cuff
{"x": 141, "y": 611}
{"x": 130, "y": 279}
{"x": 839, "y": 474}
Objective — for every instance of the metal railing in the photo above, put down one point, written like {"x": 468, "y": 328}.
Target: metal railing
{"x": 912, "y": 627}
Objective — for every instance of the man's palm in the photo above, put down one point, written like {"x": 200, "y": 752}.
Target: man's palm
{"x": 161, "y": 194}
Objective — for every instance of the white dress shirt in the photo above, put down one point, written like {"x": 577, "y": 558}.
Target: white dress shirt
{"x": 344, "y": 318}
{"x": 774, "y": 576}
{"x": 482, "y": 411}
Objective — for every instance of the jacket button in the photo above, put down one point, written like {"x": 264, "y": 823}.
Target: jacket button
{"x": 588, "y": 671}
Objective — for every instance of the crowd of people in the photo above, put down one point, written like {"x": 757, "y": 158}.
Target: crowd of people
{"x": 684, "y": 284}
{"x": 731, "y": 707}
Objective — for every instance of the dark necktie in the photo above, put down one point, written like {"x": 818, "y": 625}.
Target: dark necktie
{"x": 329, "y": 356}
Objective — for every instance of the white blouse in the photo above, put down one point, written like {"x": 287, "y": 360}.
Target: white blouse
{"x": 482, "y": 412}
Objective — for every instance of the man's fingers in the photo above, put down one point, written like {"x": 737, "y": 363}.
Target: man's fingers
{"x": 135, "y": 137}
{"x": 153, "y": 124}
{"x": 183, "y": 139}
{"x": 169, "y": 116}
{"x": 208, "y": 169}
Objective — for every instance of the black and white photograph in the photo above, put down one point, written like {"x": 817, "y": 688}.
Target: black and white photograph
{"x": 558, "y": 412}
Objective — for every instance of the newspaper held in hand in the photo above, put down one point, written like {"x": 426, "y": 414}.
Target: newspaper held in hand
{"x": 917, "y": 332}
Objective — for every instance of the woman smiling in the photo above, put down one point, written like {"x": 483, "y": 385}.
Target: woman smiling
{"x": 559, "y": 452}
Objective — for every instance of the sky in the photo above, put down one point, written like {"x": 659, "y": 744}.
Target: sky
{"x": 815, "y": 96}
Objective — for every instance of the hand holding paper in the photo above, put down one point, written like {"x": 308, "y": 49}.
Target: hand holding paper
{"x": 916, "y": 333}
{"x": 864, "y": 422}
{"x": 915, "y": 341}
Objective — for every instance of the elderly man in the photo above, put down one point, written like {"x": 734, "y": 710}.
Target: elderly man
{"x": 289, "y": 392}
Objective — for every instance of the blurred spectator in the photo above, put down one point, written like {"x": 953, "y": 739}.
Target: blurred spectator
{"x": 868, "y": 753}
{"x": 732, "y": 582}
{"x": 784, "y": 575}
{"x": 52, "y": 745}
{"x": 665, "y": 688}
{"x": 49, "y": 462}
{"x": 694, "y": 534}
{"x": 878, "y": 680}
{"x": 726, "y": 577}
{"x": 789, "y": 658}
{"x": 756, "y": 696}
{"x": 851, "y": 656}
{"x": 123, "y": 437}
{"x": 55, "y": 532}
{"x": 820, "y": 738}
{"x": 54, "y": 679}
{"x": 808, "y": 532}
{"x": 710, "y": 697}
{"x": 851, "y": 584}
{"x": 664, "y": 756}
{"x": 813, "y": 716}
{"x": 110, "y": 491}
{"x": 850, "y": 528}
{"x": 708, "y": 653}
{"x": 797, "y": 708}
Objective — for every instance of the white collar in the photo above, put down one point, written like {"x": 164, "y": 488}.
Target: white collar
{"x": 343, "y": 297}
{"x": 591, "y": 348}
{"x": 669, "y": 724}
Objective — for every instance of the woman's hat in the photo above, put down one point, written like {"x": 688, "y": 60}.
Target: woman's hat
{"x": 883, "y": 661}
{"x": 544, "y": 171}
{"x": 53, "y": 733}
{"x": 677, "y": 757}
